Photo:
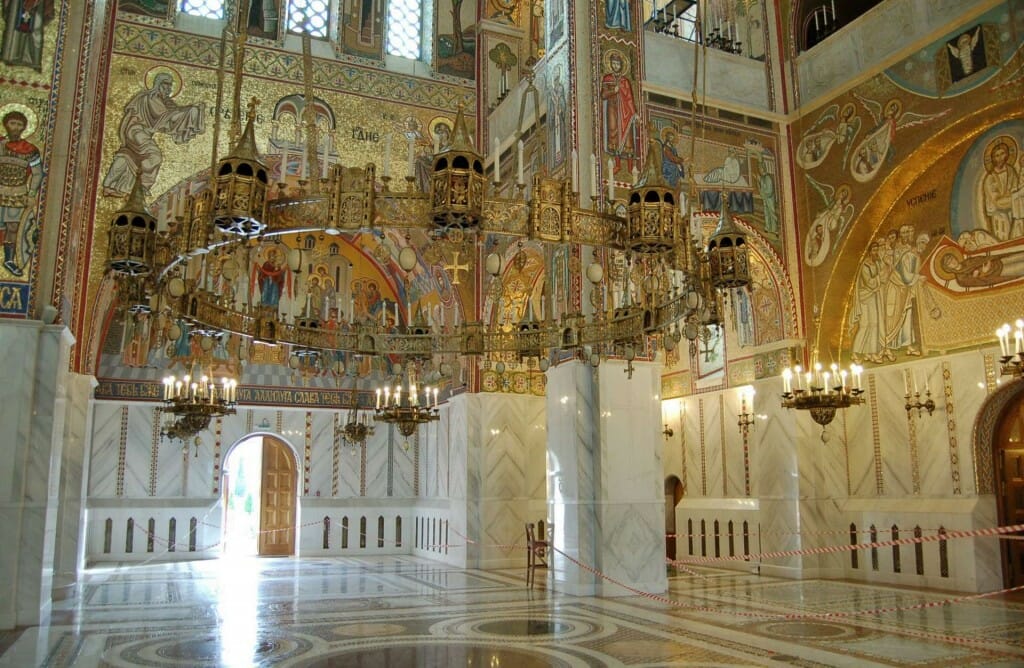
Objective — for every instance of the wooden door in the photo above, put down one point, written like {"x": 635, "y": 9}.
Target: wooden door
{"x": 1010, "y": 472}
{"x": 1009, "y": 487}
{"x": 277, "y": 500}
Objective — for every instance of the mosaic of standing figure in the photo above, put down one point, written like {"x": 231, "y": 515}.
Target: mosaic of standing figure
{"x": 21, "y": 173}
{"x": 28, "y": 43}
{"x": 24, "y": 24}
{"x": 362, "y": 28}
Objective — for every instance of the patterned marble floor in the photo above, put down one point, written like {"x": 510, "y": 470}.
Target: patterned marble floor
{"x": 403, "y": 611}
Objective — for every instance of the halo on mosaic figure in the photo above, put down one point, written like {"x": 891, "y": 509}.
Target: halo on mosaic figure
{"x": 436, "y": 123}
{"x": 151, "y": 75}
{"x": 606, "y": 61}
{"x": 1012, "y": 149}
{"x": 31, "y": 120}
{"x": 946, "y": 259}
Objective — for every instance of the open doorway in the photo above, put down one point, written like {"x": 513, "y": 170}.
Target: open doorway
{"x": 243, "y": 473}
{"x": 260, "y": 498}
{"x": 673, "y": 495}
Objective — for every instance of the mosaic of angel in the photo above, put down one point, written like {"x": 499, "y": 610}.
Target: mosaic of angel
{"x": 877, "y": 145}
{"x": 834, "y": 127}
{"x": 829, "y": 224}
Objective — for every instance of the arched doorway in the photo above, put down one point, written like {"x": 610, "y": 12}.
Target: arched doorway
{"x": 673, "y": 495}
{"x": 276, "y": 488}
{"x": 1008, "y": 458}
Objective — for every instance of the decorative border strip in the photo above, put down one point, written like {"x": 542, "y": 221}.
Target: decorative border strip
{"x": 336, "y": 455}
{"x": 682, "y": 443}
{"x": 307, "y": 456}
{"x": 154, "y": 450}
{"x": 703, "y": 450}
{"x": 122, "y": 451}
{"x": 915, "y": 462}
{"x": 725, "y": 455}
{"x": 876, "y": 437}
{"x": 218, "y": 430}
{"x": 954, "y": 442}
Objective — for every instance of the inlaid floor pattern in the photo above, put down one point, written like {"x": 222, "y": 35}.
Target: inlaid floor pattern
{"x": 409, "y": 612}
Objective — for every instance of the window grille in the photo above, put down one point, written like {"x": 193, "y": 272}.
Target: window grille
{"x": 405, "y": 18}
{"x": 208, "y": 9}
{"x": 308, "y": 16}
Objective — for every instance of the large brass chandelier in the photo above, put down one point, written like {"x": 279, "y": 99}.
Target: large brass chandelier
{"x": 676, "y": 279}
{"x": 194, "y": 400}
{"x": 822, "y": 392}
{"x": 404, "y": 407}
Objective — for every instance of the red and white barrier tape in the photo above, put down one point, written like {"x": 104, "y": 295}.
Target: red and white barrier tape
{"x": 763, "y": 556}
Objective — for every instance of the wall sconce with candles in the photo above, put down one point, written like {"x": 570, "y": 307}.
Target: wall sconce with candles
{"x": 927, "y": 405}
{"x": 1011, "y": 364}
{"x": 745, "y": 418}
{"x": 822, "y": 392}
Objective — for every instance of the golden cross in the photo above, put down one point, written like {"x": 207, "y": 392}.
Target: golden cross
{"x": 455, "y": 267}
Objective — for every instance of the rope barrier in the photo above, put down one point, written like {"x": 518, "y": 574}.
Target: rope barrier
{"x": 816, "y": 615}
{"x": 1000, "y": 532}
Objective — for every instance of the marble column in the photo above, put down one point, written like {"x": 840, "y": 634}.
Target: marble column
{"x": 605, "y": 485}
{"x": 32, "y": 410}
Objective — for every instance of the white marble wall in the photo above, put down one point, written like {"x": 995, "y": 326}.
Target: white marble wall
{"x": 32, "y": 407}
{"x": 737, "y": 81}
{"x": 878, "y": 466}
{"x": 163, "y": 472}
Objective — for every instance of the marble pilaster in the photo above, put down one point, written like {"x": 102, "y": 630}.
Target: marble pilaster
{"x": 605, "y": 478}
{"x": 70, "y": 547}
{"x": 32, "y": 407}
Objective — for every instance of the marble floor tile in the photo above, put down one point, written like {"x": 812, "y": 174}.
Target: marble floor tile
{"x": 400, "y": 611}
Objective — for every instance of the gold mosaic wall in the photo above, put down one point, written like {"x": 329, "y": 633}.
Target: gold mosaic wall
{"x": 910, "y": 201}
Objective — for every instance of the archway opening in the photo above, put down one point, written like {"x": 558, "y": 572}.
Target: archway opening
{"x": 243, "y": 475}
{"x": 673, "y": 495}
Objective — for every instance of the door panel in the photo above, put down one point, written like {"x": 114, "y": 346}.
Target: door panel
{"x": 1011, "y": 506}
{"x": 278, "y": 498}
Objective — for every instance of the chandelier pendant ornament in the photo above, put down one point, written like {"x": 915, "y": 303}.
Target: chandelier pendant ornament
{"x": 194, "y": 401}
{"x": 822, "y": 392}
{"x": 357, "y": 427}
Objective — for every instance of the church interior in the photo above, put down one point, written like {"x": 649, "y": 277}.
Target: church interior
{"x": 512, "y": 332}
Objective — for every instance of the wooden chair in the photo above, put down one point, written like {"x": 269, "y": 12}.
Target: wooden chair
{"x": 536, "y": 554}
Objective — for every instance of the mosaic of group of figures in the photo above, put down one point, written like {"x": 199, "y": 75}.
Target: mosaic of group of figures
{"x": 913, "y": 227}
